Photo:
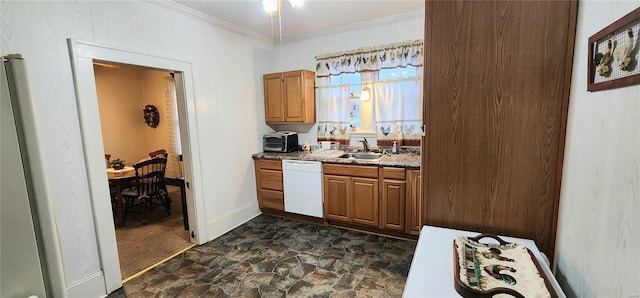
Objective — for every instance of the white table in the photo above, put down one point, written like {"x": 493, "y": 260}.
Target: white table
{"x": 431, "y": 273}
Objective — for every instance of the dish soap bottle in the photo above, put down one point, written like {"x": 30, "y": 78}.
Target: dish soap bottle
{"x": 394, "y": 149}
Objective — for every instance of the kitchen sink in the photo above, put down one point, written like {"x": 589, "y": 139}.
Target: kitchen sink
{"x": 363, "y": 155}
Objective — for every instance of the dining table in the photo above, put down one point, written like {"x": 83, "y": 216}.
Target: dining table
{"x": 119, "y": 180}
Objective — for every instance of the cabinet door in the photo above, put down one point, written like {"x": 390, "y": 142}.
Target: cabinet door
{"x": 273, "y": 102}
{"x": 336, "y": 198}
{"x": 394, "y": 196}
{"x": 270, "y": 179}
{"x": 271, "y": 199}
{"x": 414, "y": 205}
{"x": 364, "y": 197}
{"x": 293, "y": 96}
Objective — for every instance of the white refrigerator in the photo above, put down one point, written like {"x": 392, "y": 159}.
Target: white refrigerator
{"x": 30, "y": 260}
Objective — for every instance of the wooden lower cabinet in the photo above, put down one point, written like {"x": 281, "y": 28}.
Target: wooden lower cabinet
{"x": 272, "y": 199}
{"x": 394, "y": 195}
{"x": 269, "y": 184}
{"x": 364, "y": 199}
{"x": 414, "y": 203}
{"x": 351, "y": 194}
{"x": 383, "y": 198}
{"x": 337, "y": 205}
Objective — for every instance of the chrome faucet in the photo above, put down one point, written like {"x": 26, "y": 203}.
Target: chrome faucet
{"x": 365, "y": 144}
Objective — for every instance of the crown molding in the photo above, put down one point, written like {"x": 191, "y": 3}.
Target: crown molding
{"x": 190, "y": 12}
{"x": 361, "y": 25}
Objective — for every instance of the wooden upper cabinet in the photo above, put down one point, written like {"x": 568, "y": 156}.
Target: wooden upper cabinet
{"x": 273, "y": 103}
{"x": 289, "y": 97}
{"x": 293, "y": 97}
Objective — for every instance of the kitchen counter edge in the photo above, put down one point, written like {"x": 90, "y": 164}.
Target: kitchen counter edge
{"x": 395, "y": 160}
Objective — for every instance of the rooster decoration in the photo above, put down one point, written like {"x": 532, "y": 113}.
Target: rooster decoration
{"x": 494, "y": 253}
{"x": 494, "y": 271}
{"x": 604, "y": 69}
{"x": 343, "y": 130}
{"x": 622, "y": 53}
{"x": 385, "y": 131}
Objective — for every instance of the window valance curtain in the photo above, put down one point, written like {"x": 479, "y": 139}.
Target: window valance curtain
{"x": 371, "y": 59}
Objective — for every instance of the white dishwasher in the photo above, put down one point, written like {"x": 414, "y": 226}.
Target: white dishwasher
{"x": 302, "y": 187}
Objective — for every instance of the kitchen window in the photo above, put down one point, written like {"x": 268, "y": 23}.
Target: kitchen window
{"x": 375, "y": 91}
{"x": 361, "y": 112}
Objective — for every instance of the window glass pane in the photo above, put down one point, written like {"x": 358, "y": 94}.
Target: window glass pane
{"x": 397, "y": 73}
{"x": 351, "y": 78}
{"x": 336, "y": 80}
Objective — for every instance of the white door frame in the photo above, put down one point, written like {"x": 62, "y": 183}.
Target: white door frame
{"x": 82, "y": 56}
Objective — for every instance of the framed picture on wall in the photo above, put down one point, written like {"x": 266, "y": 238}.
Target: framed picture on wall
{"x": 614, "y": 54}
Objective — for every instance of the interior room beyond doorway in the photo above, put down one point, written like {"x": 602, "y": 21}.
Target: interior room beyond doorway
{"x": 125, "y": 96}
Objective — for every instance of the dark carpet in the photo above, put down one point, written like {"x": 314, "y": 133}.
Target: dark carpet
{"x": 141, "y": 246}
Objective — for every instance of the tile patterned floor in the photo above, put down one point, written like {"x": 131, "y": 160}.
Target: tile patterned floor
{"x": 274, "y": 257}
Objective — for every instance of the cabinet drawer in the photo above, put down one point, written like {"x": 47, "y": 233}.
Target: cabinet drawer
{"x": 354, "y": 171}
{"x": 270, "y": 164}
{"x": 270, "y": 179}
{"x": 393, "y": 173}
{"x": 272, "y": 199}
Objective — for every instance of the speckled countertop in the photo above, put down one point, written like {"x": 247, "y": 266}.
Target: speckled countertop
{"x": 407, "y": 160}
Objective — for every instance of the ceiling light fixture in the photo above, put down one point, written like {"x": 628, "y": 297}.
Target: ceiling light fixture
{"x": 271, "y": 6}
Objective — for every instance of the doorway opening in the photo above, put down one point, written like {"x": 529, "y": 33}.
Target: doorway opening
{"x": 83, "y": 55}
{"x": 131, "y": 135}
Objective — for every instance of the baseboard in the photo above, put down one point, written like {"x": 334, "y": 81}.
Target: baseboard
{"x": 90, "y": 286}
{"x": 293, "y": 216}
{"x": 231, "y": 220}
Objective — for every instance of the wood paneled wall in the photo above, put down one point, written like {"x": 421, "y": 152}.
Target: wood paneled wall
{"x": 497, "y": 76}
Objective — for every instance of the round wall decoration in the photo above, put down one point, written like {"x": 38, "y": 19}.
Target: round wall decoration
{"x": 151, "y": 116}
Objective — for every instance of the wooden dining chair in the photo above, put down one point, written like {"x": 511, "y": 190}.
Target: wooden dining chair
{"x": 158, "y": 153}
{"x": 161, "y": 153}
{"x": 149, "y": 188}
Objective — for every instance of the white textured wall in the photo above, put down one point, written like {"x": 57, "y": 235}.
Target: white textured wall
{"x": 227, "y": 75}
{"x": 301, "y": 54}
{"x": 599, "y": 224}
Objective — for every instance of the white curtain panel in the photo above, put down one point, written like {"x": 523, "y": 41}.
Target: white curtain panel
{"x": 174, "y": 167}
{"x": 398, "y": 108}
{"x": 333, "y": 113}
